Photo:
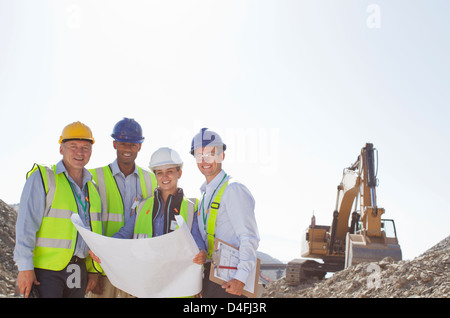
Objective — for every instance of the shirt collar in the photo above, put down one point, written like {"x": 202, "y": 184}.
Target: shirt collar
{"x": 116, "y": 170}
{"x": 214, "y": 183}
{"x": 179, "y": 193}
{"x": 60, "y": 168}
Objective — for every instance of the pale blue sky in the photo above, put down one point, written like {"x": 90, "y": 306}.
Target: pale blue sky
{"x": 295, "y": 87}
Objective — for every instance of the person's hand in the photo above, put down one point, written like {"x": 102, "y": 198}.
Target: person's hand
{"x": 93, "y": 279}
{"x": 200, "y": 258}
{"x": 25, "y": 280}
{"x": 98, "y": 289}
{"x": 234, "y": 287}
{"x": 94, "y": 257}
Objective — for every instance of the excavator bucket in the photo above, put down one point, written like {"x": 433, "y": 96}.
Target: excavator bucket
{"x": 361, "y": 249}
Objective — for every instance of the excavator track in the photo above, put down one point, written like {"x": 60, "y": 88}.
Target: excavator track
{"x": 299, "y": 270}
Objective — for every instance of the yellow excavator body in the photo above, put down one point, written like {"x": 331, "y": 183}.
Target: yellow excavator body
{"x": 368, "y": 238}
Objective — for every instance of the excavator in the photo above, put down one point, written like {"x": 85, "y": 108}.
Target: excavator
{"x": 368, "y": 237}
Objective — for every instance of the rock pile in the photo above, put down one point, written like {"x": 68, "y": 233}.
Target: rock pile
{"x": 8, "y": 272}
{"x": 428, "y": 275}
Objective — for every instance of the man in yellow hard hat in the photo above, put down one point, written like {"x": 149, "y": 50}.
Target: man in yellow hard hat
{"x": 122, "y": 185}
{"x": 50, "y": 255}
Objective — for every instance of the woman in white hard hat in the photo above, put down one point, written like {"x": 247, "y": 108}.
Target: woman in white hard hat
{"x": 156, "y": 215}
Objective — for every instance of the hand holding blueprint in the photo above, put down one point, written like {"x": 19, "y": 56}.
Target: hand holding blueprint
{"x": 153, "y": 267}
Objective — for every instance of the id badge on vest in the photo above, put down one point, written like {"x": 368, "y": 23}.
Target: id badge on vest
{"x": 173, "y": 225}
{"x": 135, "y": 204}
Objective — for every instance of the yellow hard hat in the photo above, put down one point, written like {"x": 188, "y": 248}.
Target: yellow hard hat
{"x": 77, "y": 131}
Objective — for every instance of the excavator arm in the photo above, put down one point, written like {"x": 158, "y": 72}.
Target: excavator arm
{"x": 369, "y": 243}
{"x": 358, "y": 181}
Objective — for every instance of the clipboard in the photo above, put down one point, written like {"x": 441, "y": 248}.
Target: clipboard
{"x": 225, "y": 259}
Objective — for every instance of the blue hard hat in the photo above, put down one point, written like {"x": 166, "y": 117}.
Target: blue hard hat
{"x": 207, "y": 137}
{"x": 128, "y": 130}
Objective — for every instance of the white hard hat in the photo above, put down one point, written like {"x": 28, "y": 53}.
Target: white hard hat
{"x": 207, "y": 137}
{"x": 165, "y": 157}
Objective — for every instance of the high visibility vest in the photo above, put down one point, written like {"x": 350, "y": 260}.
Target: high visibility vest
{"x": 211, "y": 223}
{"x": 144, "y": 219}
{"x": 113, "y": 209}
{"x": 56, "y": 239}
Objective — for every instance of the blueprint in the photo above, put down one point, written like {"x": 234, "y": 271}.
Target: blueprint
{"x": 148, "y": 268}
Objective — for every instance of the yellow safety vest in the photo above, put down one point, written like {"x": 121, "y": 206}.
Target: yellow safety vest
{"x": 144, "y": 219}
{"x": 211, "y": 223}
{"x": 57, "y": 236}
{"x": 113, "y": 209}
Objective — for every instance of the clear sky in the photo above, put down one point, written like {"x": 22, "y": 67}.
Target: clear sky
{"x": 296, "y": 88}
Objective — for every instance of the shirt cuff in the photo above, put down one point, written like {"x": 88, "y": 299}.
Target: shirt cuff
{"x": 25, "y": 264}
{"x": 241, "y": 275}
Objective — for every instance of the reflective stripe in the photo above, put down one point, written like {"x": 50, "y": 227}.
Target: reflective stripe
{"x": 95, "y": 216}
{"x": 112, "y": 217}
{"x": 56, "y": 243}
{"x": 66, "y": 214}
{"x": 149, "y": 179}
{"x": 51, "y": 186}
{"x": 191, "y": 211}
{"x": 102, "y": 191}
{"x": 140, "y": 236}
{"x": 60, "y": 214}
{"x": 48, "y": 178}
{"x": 144, "y": 181}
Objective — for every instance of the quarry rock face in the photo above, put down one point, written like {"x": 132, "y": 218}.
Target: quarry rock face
{"x": 8, "y": 271}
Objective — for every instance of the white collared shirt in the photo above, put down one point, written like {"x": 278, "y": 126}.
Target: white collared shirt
{"x": 235, "y": 223}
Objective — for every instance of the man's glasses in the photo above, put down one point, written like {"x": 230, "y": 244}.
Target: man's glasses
{"x": 207, "y": 157}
